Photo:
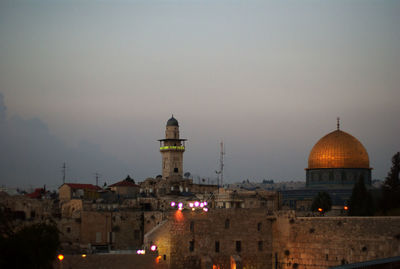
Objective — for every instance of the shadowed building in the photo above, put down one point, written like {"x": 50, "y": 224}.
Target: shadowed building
{"x": 337, "y": 161}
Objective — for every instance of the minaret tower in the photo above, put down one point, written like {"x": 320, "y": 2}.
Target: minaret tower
{"x": 172, "y": 148}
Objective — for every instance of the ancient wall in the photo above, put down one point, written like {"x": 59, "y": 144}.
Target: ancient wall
{"x": 126, "y": 228}
{"x": 191, "y": 237}
{"x": 321, "y": 242}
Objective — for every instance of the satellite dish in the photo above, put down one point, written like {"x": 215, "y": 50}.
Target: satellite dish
{"x": 187, "y": 175}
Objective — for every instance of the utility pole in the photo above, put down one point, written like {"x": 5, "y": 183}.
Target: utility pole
{"x": 97, "y": 179}
{"x": 64, "y": 171}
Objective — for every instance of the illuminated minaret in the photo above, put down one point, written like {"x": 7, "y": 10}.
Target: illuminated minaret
{"x": 172, "y": 148}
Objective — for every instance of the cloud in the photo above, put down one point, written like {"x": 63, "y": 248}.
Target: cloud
{"x": 31, "y": 156}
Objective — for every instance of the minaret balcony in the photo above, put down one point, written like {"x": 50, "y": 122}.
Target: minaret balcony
{"x": 172, "y": 148}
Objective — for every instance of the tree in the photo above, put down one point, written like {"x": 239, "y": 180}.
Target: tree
{"x": 322, "y": 200}
{"x": 33, "y": 246}
{"x": 391, "y": 186}
{"x": 361, "y": 203}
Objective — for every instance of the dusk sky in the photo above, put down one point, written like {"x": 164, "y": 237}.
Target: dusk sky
{"x": 93, "y": 83}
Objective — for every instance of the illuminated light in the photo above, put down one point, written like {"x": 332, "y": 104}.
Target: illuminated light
{"x": 172, "y": 204}
{"x": 180, "y": 209}
{"x": 178, "y": 216}
{"x": 201, "y": 204}
{"x": 140, "y": 251}
{"x": 190, "y": 204}
{"x": 180, "y": 205}
{"x": 158, "y": 259}
{"x": 193, "y": 209}
{"x": 172, "y": 147}
{"x": 60, "y": 257}
{"x": 153, "y": 248}
{"x": 320, "y": 209}
{"x": 83, "y": 255}
{"x": 205, "y": 209}
{"x": 205, "y": 203}
{"x": 346, "y": 207}
{"x": 196, "y": 204}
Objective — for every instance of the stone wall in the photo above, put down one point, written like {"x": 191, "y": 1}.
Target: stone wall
{"x": 321, "y": 242}
{"x": 192, "y": 237}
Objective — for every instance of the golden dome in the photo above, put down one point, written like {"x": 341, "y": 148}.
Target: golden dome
{"x": 338, "y": 149}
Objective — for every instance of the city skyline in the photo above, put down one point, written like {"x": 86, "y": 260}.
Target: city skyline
{"x": 268, "y": 78}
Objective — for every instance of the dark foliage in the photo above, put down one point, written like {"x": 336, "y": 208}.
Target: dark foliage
{"x": 391, "y": 187}
{"x": 361, "y": 203}
{"x": 322, "y": 200}
{"x": 34, "y": 246}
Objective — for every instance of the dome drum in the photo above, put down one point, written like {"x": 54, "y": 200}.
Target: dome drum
{"x": 345, "y": 177}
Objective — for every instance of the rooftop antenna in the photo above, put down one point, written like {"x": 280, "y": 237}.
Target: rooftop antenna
{"x": 220, "y": 173}
{"x": 64, "y": 171}
{"x": 338, "y": 123}
{"x": 221, "y": 162}
{"x": 97, "y": 178}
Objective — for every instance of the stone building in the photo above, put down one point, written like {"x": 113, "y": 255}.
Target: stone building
{"x": 69, "y": 191}
{"x": 125, "y": 188}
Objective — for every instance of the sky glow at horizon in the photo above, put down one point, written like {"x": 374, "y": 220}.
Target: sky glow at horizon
{"x": 93, "y": 83}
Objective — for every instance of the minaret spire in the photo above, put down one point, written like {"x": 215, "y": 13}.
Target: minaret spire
{"x": 338, "y": 123}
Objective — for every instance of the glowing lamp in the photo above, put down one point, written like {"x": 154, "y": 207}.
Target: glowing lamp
{"x": 190, "y": 204}
{"x": 140, "y": 251}
{"x": 196, "y": 204}
{"x": 180, "y": 205}
{"x": 172, "y": 204}
{"x": 205, "y": 203}
{"x": 205, "y": 209}
{"x": 192, "y": 208}
{"x": 346, "y": 207}
{"x": 201, "y": 204}
{"x": 153, "y": 248}
{"x": 83, "y": 255}
{"x": 320, "y": 209}
{"x": 60, "y": 257}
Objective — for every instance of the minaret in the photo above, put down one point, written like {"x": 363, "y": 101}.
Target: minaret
{"x": 172, "y": 148}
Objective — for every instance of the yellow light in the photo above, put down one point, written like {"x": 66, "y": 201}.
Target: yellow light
{"x": 172, "y": 147}
{"x": 346, "y": 207}
{"x": 83, "y": 255}
{"x": 60, "y": 257}
{"x": 320, "y": 209}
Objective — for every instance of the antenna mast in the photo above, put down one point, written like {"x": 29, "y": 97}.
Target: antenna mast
{"x": 64, "y": 171}
{"x": 221, "y": 163}
{"x": 97, "y": 179}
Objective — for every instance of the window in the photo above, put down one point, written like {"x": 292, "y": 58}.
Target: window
{"x": 176, "y": 170}
{"x": 216, "y": 246}
{"x": 238, "y": 246}
{"x": 192, "y": 226}
{"x": 260, "y": 245}
{"x": 259, "y": 226}
{"x": 191, "y": 246}
{"x": 136, "y": 234}
{"x": 227, "y": 224}
{"x": 98, "y": 237}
